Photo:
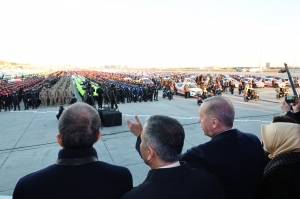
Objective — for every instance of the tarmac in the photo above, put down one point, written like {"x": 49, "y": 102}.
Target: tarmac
{"x": 28, "y": 142}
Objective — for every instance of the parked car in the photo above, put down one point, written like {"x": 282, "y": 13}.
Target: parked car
{"x": 146, "y": 81}
{"x": 268, "y": 82}
{"x": 287, "y": 82}
{"x": 260, "y": 84}
{"x": 236, "y": 83}
{"x": 193, "y": 89}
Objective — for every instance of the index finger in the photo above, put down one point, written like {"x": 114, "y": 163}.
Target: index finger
{"x": 128, "y": 121}
{"x": 137, "y": 119}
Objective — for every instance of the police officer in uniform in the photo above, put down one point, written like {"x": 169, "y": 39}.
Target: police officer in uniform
{"x": 6, "y": 100}
{"x": 33, "y": 97}
{"x": 16, "y": 100}
{"x": 25, "y": 99}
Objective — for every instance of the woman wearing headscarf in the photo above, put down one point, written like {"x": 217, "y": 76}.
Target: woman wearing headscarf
{"x": 282, "y": 174}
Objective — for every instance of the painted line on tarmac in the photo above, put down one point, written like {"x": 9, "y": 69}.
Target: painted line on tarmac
{"x": 252, "y": 121}
{"x": 124, "y": 114}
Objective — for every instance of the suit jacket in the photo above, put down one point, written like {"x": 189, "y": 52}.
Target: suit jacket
{"x": 177, "y": 182}
{"x": 235, "y": 158}
{"x": 93, "y": 180}
{"x": 73, "y": 100}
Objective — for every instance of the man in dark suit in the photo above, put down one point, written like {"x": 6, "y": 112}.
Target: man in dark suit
{"x": 77, "y": 173}
{"x": 234, "y": 157}
{"x": 161, "y": 144}
{"x": 73, "y": 100}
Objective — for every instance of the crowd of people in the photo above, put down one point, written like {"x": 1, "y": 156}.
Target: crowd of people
{"x": 233, "y": 164}
{"x": 109, "y": 88}
{"x": 34, "y": 92}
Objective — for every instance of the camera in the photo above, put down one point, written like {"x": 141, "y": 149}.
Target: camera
{"x": 290, "y": 99}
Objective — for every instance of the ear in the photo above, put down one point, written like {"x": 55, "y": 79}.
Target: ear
{"x": 59, "y": 140}
{"x": 151, "y": 154}
{"x": 99, "y": 135}
{"x": 215, "y": 122}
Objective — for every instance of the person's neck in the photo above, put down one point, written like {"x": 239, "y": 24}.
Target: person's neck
{"x": 221, "y": 130}
{"x": 159, "y": 164}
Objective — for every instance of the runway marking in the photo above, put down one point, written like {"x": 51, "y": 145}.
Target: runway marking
{"x": 253, "y": 109}
{"x": 129, "y": 115}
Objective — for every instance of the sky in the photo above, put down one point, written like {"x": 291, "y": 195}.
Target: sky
{"x": 150, "y": 33}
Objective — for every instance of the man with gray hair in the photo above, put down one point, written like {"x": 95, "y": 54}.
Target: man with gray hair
{"x": 234, "y": 157}
{"x": 77, "y": 173}
{"x": 161, "y": 144}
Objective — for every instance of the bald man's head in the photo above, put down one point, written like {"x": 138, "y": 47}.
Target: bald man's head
{"x": 79, "y": 126}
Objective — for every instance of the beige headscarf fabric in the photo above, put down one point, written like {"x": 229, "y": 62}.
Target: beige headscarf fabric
{"x": 281, "y": 138}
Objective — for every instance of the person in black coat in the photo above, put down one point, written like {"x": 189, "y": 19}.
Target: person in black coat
{"x": 295, "y": 114}
{"x": 112, "y": 97}
{"x": 33, "y": 93}
{"x": 162, "y": 141}
{"x": 6, "y": 100}
{"x": 16, "y": 100}
{"x": 100, "y": 96}
{"x": 235, "y": 158}
{"x": 60, "y": 111}
{"x": 282, "y": 173}
{"x": 24, "y": 97}
{"x": 73, "y": 100}
{"x": 77, "y": 173}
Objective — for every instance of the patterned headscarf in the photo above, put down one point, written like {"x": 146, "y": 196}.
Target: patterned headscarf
{"x": 281, "y": 138}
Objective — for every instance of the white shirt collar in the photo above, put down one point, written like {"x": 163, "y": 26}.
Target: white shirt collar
{"x": 176, "y": 164}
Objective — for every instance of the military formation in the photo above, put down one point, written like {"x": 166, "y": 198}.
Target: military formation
{"x": 37, "y": 92}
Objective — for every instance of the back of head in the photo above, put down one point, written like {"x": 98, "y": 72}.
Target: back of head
{"x": 79, "y": 126}
{"x": 165, "y": 135}
{"x": 280, "y": 138}
{"x": 220, "y": 108}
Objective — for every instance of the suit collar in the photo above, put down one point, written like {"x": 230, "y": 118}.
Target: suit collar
{"x": 168, "y": 173}
{"x": 229, "y": 134}
{"x": 77, "y": 153}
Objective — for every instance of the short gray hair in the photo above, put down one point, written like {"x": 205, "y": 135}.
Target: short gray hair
{"x": 79, "y": 125}
{"x": 221, "y": 108}
{"x": 165, "y": 135}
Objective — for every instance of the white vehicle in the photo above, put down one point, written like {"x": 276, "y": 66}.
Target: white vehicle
{"x": 189, "y": 80}
{"x": 259, "y": 83}
{"x": 236, "y": 83}
{"x": 127, "y": 79}
{"x": 146, "y": 81}
{"x": 287, "y": 82}
{"x": 193, "y": 89}
{"x": 268, "y": 82}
